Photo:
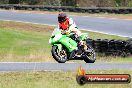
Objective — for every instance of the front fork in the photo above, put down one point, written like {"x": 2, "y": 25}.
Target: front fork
{"x": 59, "y": 46}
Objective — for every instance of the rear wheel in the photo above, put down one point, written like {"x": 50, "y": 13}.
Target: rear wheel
{"x": 90, "y": 56}
{"x": 59, "y": 56}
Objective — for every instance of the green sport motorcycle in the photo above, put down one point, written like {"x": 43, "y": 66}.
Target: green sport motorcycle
{"x": 63, "y": 45}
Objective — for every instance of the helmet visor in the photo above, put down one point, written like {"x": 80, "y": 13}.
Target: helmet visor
{"x": 61, "y": 19}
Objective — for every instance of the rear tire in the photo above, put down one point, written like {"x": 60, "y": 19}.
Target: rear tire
{"x": 56, "y": 55}
{"x": 90, "y": 58}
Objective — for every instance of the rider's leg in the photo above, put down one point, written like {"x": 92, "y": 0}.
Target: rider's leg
{"x": 80, "y": 42}
{"x": 81, "y": 45}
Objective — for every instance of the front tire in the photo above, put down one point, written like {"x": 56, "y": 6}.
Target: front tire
{"x": 57, "y": 56}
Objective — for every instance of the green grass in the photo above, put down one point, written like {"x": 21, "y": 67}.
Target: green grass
{"x": 21, "y": 42}
{"x": 54, "y": 80}
{"x": 16, "y": 45}
{"x": 95, "y": 35}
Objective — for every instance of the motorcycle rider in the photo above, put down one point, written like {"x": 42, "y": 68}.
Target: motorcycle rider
{"x": 67, "y": 25}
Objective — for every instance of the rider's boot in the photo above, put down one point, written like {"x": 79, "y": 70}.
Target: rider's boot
{"x": 84, "y": 46}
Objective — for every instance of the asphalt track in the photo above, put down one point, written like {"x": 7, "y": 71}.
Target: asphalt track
{"x": 105, "y": 25}
{"x": 119, "y": 27}
{"x": 37, "y": 66}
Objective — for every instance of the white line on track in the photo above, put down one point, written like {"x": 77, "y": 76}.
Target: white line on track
{"x": 56, "y": 25}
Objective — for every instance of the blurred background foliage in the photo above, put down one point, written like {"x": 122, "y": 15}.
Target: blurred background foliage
{"x": 78, "y": 3}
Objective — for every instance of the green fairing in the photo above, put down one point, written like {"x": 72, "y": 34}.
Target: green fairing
{"x": 69, "y": 43}
{"x": 58, "y": 39}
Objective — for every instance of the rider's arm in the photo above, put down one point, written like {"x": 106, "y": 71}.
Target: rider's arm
{"x": 73, "y": 27}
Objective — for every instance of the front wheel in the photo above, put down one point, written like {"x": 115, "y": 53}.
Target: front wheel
{"x": 90, "y": 56}
{"x": 59, "y": 55}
